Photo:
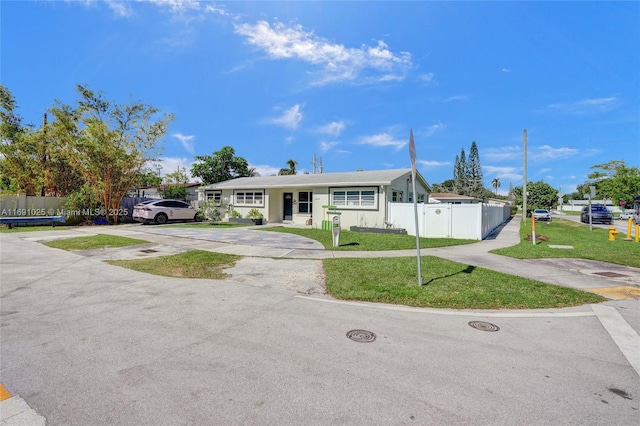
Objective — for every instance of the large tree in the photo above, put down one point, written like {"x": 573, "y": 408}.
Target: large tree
{"x": 541, "y": 195}
{"x": 223, "y": 165}
{"x": 474, "y": 172}
{"x": 19, "y": 149}
{"x": 496, "y": 184}
{"x": 109, "y": 144}
{"x": 461, "y": 174}
{"x": 616, "y": 181}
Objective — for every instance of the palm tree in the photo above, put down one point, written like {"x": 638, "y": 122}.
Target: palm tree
{"x": 496, "y": 184}
{"x": 291, "y": 170}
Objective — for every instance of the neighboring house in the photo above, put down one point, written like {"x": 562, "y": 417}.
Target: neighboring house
{"x": 446, "y": 197}
{"x": 360, "y": 197}
{"x": 497, "y": 201}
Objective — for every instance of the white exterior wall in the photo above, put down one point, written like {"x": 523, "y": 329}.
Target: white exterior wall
{"x": 460, "y": 221}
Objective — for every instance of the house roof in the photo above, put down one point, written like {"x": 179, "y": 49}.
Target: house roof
{"x": 447, "y": 196}
{"x": 360, "y": 178}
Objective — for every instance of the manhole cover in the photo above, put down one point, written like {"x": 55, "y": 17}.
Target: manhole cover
{"x": 610, "y": 274}
{"x": 362, "y": 336}
{"x": 484, "y": 326}
{"x": 148, "y": 251}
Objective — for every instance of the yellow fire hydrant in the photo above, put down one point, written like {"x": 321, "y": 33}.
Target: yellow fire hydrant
{"x": 612, "y": 233}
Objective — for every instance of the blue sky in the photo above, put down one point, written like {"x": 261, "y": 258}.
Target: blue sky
{"x": 349, "y": 80}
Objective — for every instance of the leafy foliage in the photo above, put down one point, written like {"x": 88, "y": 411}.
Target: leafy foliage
{"x": 223, "y": 165}
{"x": 291, "y": 170}
{"x": 615, "y": 181}
{"x": 541, "y": 195}
{"x": 109, "y": 144}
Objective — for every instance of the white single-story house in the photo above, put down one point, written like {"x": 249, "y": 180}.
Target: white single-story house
{"x": 360, "y": 197}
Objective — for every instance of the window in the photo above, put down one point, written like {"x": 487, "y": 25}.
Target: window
{"x": 304, "y": 202}
{"x": 249, "y": 198}
{"x": 396, "y": 196}
{"x": 356, "y": 198}
{"x": 215, "y": 196}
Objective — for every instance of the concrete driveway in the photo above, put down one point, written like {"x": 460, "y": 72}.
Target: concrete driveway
{"x": 86, "y": 343}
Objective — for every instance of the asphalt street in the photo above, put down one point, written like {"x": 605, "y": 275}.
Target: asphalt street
{"x": 87, "y": 343}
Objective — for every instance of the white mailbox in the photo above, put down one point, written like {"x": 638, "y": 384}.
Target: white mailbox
{"x": 335, "y": 229}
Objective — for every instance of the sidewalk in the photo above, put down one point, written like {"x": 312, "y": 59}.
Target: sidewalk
{"x": 610, "y": 280}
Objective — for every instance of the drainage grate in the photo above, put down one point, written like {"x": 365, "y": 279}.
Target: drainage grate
{"x": 484, "y": 326}
{"x": 361, "y": 336}
{"x": 148, "y": 251}
{"x": 610, "y": 274}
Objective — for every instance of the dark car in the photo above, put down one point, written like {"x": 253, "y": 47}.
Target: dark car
{"x": 599, "y": 214}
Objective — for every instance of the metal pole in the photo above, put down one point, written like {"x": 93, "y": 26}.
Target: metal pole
{"x": 412, "y": 153}
{"x": 524, "y": 184}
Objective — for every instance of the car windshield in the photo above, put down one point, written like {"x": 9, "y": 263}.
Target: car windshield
{"x": 599, "y": 209}
{"x": 541, "y": 211}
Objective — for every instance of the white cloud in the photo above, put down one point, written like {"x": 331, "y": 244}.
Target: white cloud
{"x": 326, "y": 146}
{"x": 290, "y": 119}
{"x": 120, "y": 9}
{"x": 584, "y": 106}
{"x": 428, "y": 79}
{"x": 433, "y": 163}
{"x": 265, "y": 170}
{"x": 506, "y": 70}
{"x": 382, "y": 139}
{"x": 185, "y": 140}
{"x": 456, "y": 98}
{"x": 433, "y": 129}
{"x": 546, "y": 152}
{"x": 337, "y": 62}
{"x": 504, "y": 153}
{"x": 505, "y": 174}
{"x": 171, "y": 164}
{"x": 334, "y": 128}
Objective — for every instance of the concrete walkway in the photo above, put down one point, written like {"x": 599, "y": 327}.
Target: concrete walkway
{"x": 84, "y": 342}
{"x": 618, "y": 282}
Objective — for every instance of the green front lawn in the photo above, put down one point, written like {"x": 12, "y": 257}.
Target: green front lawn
{"x": 592, "y": 245}
{"x": 93, "y": 242}
{"x": 5, "y": 229}
{"x": 191, "y": 264}
{"x": 447, "y": 284}
{"x": 368, "y": 241}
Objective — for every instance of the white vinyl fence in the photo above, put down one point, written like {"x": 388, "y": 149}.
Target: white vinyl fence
{"x": 460, "y": 221}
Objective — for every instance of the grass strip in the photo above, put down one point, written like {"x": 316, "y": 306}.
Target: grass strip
{"x": 4, "y": 229}
{"x": 191, "y": 264}
{"x": 448, "y": 284}
{"x": 591, "y": 245}
{"x": 368, "y": 241}
{"x": 93, "y": 242}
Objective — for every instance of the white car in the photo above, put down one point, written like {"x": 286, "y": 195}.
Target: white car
{"x": 626, "y": 214}
{"x": 541, "y": 214}
{"x": 163, "y": 211}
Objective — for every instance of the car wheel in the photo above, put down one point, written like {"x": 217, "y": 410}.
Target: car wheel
{"x": 197, "y": 218}
{"x": 161, "y": 218}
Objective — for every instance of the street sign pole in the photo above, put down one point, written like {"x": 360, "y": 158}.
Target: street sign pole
{"x": 412, "y": 154}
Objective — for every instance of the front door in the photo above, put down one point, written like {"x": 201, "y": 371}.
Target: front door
{"x": 288, "y": 206}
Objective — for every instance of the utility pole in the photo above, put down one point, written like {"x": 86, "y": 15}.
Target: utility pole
{"x": 43, "y": 158}
{"x": 524, "y": 184}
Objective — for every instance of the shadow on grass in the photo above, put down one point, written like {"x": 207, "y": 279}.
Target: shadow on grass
{"x": 468, "y": 270}
{"x": 349, "y": 244}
